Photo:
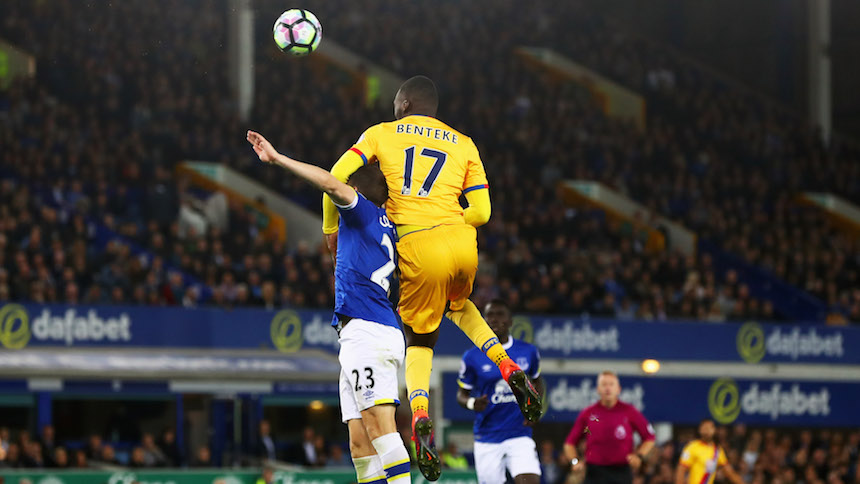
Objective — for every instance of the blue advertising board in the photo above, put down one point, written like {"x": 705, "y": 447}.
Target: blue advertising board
{"x": 29, "y": 325}
{"x": 687, "y": 401}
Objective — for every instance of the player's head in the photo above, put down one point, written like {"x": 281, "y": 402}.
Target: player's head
{"x": 707, "y": 429}
{"x": 370, "y": 182}
{"x": 497, "y": 313}
{"x": 608, "y": 387}
{"x": 417, "y": 95}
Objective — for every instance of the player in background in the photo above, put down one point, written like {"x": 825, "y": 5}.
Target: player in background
{"x": 371, "y": 343}
{"x": 701, "y": 459}
{"x": 503, "y": 439}
{"x": 428, "y": 165}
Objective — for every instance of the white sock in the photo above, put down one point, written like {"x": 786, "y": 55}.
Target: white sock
{"x": 368, "y": 470}
{"x": 394, "y": 457}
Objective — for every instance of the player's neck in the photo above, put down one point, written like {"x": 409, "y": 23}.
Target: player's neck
{"x": 609, "y": 403}
{"x": 504, "y": 340}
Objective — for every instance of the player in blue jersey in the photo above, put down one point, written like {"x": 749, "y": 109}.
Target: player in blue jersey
{"x": 503, "y": 439}
{"x": 371, "y": 341}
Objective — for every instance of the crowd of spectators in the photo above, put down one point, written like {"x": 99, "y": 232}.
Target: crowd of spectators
{"x": 97, "y": 134}
{"x": 45, "y": 451}
{"x": 760, "y": 456}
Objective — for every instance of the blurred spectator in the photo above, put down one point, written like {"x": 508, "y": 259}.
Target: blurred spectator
{"x": 306, "y": 452}
{"x": 337, "y": 457}
{"x": 94, "y": 447}
{"x": 48, "y": 444}
{"x": 81, "y": 460}
{"x": 203, "y": 458}
{"x": 60, "y": 459}
{"x": 138, "y": 458}
{"x": 453, "y": 459}
{"x": 268, "y": 476}
{"x": 108, "y": 455}
{"x": 168, "y": 445}
{"x": 551, "y": 473}
{"x": 153, "y": 456}
{"x": 265, "y": 447}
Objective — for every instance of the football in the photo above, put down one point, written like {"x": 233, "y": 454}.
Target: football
{"x": 298, "y": 32}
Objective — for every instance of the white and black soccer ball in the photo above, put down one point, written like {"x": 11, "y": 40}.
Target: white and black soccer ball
{"x": 298, "y": 32}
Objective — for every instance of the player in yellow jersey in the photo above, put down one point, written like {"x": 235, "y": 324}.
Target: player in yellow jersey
{"x": 428, "y": 165}
{"x": 701, "y": 458}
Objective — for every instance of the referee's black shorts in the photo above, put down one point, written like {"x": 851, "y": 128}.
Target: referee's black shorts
{"x": 595, "y": 474}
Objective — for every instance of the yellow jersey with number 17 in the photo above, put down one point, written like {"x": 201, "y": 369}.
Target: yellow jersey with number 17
{"x": 427, "y": 165}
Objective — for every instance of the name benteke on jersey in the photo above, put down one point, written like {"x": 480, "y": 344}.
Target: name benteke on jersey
{"x": 428, "y": 132}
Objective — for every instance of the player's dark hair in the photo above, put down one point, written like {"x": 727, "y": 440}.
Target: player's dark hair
{"x": 422, "y": 93}
{"x": 706, "y": 419}
{"x": 370, "y": 182}
{"x": 500, "y": 302}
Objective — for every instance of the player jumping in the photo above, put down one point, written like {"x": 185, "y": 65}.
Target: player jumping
{"x": 428, "y": 165}
{"x": 371, "y": 343}
{"x": 502, "y": 439}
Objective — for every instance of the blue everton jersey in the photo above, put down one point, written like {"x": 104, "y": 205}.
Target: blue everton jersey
{"x": 366, "y": 260}
{"x": 502, "y": 419}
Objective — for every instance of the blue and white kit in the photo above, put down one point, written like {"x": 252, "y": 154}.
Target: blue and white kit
{"x": 502, "y": 441}
{"x": 371, "y": 344}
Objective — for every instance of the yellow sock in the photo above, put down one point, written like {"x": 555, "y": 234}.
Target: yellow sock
{"x": 419, "y": 364}
{"x": 470, "y": 321}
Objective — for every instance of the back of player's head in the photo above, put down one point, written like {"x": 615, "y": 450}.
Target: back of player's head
{"x": 370, "y": 182}
{"x": 422, "y": 95}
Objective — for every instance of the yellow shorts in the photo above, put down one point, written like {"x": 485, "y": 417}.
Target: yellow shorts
{"x": 437, "y": 266}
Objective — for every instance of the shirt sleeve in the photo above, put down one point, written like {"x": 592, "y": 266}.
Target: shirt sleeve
{"x": 466, "y": 377}
{"x": 576, "y": 432}
{"x": 534, "y": 365}
{"x": 686, "y": 456}
{"x": 365, "y": 147}
{"x": 361, "y": 153}
{"x": 476, "y": 177}
{"x": 721, "y": 458}
{"x": 641, "y": 425}
{"x": 360, "y": 213}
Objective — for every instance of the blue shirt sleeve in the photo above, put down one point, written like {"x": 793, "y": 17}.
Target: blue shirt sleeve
{"x": 466, "y": 379}
{"x": 359, "y": 213}
{"x": 534, "y": 364}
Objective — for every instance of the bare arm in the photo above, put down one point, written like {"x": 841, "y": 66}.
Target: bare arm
{"x": 340, "y": 193}
{"x": 731, "y": 474}
{"x": 681, "y": 474}
{"x": 464, "y": 395}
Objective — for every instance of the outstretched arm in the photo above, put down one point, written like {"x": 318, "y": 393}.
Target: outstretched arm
{"x": 340, "y": 193}
{"x": 342, "y": 170}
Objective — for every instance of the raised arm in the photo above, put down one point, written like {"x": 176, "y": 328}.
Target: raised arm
{"x": 340, "y": 192}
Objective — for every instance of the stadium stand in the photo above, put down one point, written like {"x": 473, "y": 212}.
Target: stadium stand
{"x": 89, "y": 208}
{"x": 733, "y": 187}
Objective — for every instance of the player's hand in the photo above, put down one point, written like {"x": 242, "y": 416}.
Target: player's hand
{"x": 264, "y": 149}
{"x": 579, "y": 467}
{"x": 635, "y": 461}
{"x": 481, "y": 403}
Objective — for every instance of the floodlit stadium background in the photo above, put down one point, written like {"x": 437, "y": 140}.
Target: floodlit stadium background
{"x": 671, "y": 180}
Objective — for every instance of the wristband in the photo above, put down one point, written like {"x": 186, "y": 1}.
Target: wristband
{"x": 470, "y": 403}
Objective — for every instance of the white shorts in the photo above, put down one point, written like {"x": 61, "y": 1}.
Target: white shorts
{"x": 370, "y": 355}
{"x": 517, "y": 455}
